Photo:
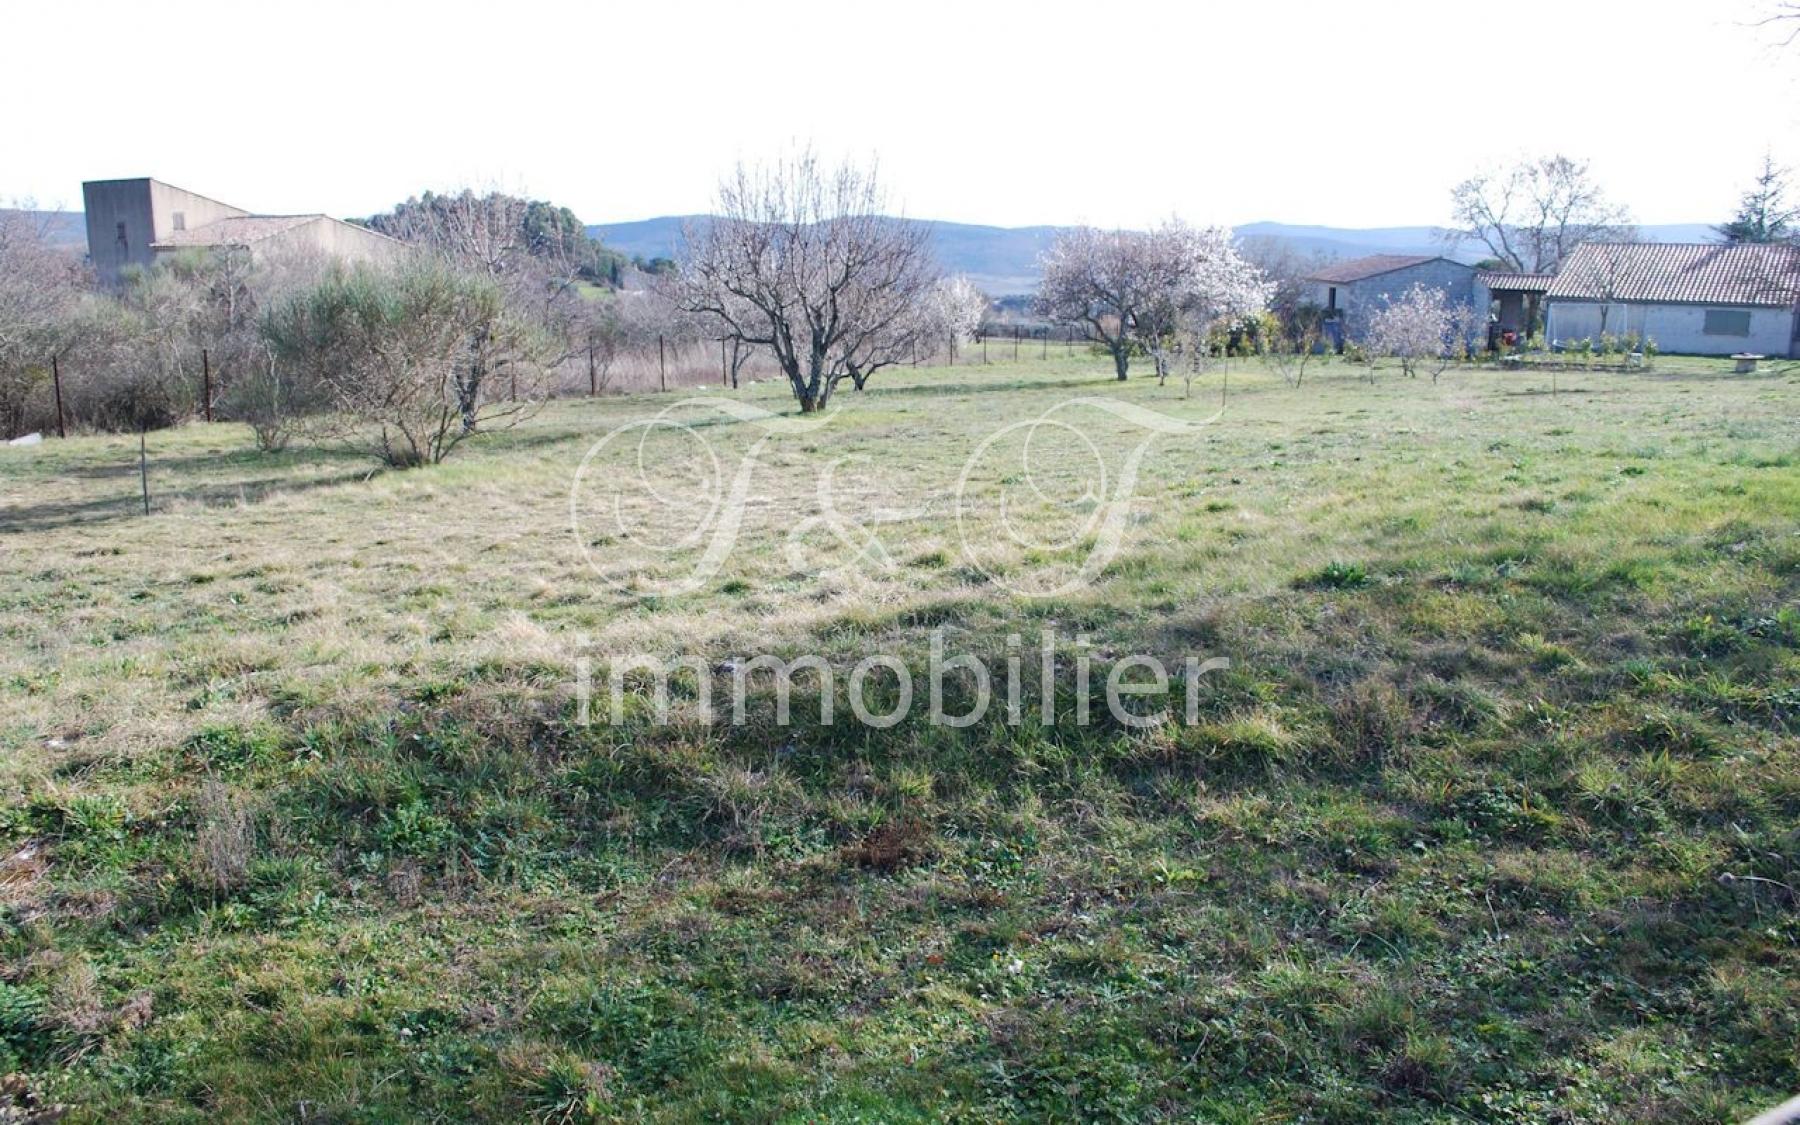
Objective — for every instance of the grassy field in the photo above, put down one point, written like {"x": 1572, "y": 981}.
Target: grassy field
{"x": 1494, "y": 816}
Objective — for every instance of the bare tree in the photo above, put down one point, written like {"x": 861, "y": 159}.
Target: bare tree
{"x": 803, "y": 261}
{"x": 1286, "y": 270}
{"x": 602, "y": 336}
{"x": 1608, "y": 265}
{"x": 893, "y": 346}
{"x": 1532, "y": 215}
{"x": 1785, "y": 17}
{"x": 1290, "y": 353}
{"x": 1202, "y": 357}
{"x": 39, "y": 289}
{"x": 740, "y": 353}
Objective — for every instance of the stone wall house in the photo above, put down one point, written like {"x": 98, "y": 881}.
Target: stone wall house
{"x": 1352, "y": 291}
{"x": 1691, "y": 298}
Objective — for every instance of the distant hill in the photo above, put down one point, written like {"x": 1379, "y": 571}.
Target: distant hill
{"x": 1003, "y": 260}
{"x": 648, "y": 238}
{"x": 1000, "y": 260}
{"x": 66, "y": 229}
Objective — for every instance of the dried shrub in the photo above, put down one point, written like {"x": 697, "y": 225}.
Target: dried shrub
{"x": 891, "y": 846}
{"x": 1373, "y": 722}
{"x": 224, "y": 839}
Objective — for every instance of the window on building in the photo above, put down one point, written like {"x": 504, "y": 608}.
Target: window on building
{"x": 1727, "y": 322}
{"x": 1331, "y": 299}
{"x": 180, "y": 218}
{"x": 124, "y": 246}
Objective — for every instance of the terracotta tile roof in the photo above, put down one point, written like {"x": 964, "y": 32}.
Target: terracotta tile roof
{"x": 1358, "y": 269}
{"x": 1701, "y": 273}
{"x": 1516, "y": 282}
{"x": 239, "y": 231}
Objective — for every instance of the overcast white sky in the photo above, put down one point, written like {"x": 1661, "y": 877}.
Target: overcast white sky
{"x": 1347, "y": 113}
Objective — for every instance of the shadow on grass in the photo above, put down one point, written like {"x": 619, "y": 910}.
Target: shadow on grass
{"x": 1015, "y": 384}
{"x": 287, "y": 460}
{"x": 129, "y": 505}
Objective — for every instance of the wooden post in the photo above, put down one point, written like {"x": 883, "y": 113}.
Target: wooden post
{"x": 1015, "y": 343}
{"x": 984, "y": 347}
{"x": 593, "y": 374}
{"x": 205, "y": 384}
{"x": 56, "y": 384}
{"x": 662, "y": 363}
{"x": 144, "y": 465}
{"x": 952, "y": 351}
{"x": 1046, "y": 341}
{"x": 724, "y": 365}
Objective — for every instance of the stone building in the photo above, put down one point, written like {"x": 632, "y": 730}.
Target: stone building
{"x": 136, "y": 222}
{"x": 1352, "y": 291}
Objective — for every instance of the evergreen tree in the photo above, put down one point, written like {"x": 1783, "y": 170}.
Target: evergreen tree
{"x": 1763, "y": 215}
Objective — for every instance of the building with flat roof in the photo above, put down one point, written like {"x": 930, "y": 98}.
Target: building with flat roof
{"x": 136, "y": 222}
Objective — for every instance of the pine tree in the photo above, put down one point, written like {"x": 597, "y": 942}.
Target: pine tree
{"x": 1763, "y": 214}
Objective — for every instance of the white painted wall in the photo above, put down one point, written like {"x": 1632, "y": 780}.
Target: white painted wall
{"x": 1675, "y": 328}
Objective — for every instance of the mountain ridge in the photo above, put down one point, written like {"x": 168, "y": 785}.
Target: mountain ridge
{"x": 1003, "y": 260}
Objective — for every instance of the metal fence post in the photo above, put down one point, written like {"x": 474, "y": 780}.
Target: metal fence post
{"x": 56, "y": 384}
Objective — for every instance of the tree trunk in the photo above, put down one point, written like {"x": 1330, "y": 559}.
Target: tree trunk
{"x": 1121, "y": 359}
{"x": 739, "y": 353}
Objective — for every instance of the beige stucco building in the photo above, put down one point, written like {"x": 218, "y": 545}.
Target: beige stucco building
{"x": 135, "y": 222}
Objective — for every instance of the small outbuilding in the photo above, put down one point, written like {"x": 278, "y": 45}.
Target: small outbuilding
{"x": 1513, "y": 301}
{"x": 1693, "y": 298}
{"x": 1352, "y": 291}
